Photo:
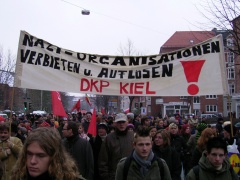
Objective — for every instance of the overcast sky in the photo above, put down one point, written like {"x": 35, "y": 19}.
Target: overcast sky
{"x": 148, "y": 24}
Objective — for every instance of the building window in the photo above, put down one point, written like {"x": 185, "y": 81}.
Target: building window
{"x": 230, "y": 73}
{"x": 231, "y": 89}
{"x": 183, "y": 97}
{"x": 211, "y": 108}
{"x": 196, "y": 99}
{"x": 229, "y": 42}
{"x": 211, "y": 96}
{"x": 230, "y": 57}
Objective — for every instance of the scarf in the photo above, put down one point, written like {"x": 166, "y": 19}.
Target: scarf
{"x": 145, "y": 164}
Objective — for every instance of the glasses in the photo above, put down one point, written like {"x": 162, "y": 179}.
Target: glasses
{"x": 64, "y": 129}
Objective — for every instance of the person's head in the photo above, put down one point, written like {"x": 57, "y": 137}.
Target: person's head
{"x": 145, "y": 121}
{"x": 89, "y": 116}
{"x": 43, "y": 152}
{"x": 5, "y": 131}
{"x": 153, "y": 131}
{"x": 99, "y": 115}
{"x": 121, "y": 122}
{"x": 216, "y": 151}
{"x": 102, "y": 129}
{"x": 160, "y": 123}
{"x": 207, "y": 134}
{"x": 130, "y": 117}
{"x": 162, "y": 138}
{"x": 70, "y": 129}
{"x": 173, "y": 128}
{"x": 220, "y": 120}
{"x": 227, "y": 133}
{"x": 142, "y": 142}
{"x": 130, "y": 127}
{"x": 185, "y": 129}
{"x": 80, "y": 128}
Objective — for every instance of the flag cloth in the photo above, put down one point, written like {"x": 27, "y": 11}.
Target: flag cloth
{"x": 57, "y": 106}
{"x": 103, "y": 111}
{"x": 88, "y": 100}
{"x": 127, "y": 110}
{"x": 76, "y": 106}
{"x": 92, "y": 129}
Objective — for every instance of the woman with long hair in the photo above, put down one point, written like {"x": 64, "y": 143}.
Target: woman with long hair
{"x": 163, "y": 149}
{"x": 44, "y": 157}
{"x": 201, "y": 145}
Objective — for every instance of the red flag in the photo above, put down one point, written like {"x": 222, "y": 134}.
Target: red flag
{"x": 103, "y": 111}
{"x": 76, "y": 106}
{"x": 57, "y": 106}
{"x": 127, "y": 110}
{"x": 2, "y": 118}
{"x": 88, "y": 100}
{"x": 92, "y": 129}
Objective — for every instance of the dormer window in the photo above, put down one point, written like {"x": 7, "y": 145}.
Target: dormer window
{"x": 229, "y": 42}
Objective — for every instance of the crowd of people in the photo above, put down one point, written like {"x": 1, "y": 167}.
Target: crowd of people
{"x": 126, "y": 146}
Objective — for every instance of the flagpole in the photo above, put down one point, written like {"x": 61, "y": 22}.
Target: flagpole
{"x": 230, "y": 115}
{"x": 11, "y": 108}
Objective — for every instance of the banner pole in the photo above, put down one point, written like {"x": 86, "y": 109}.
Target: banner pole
{"x": 11, "y": 108}
{"x": 230, "y": 115}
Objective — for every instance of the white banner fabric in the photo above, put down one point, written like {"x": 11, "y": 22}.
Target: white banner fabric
{"x": 193, "y": 71}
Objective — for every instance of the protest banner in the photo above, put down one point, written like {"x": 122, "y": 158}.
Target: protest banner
{"x": 193, "y": 71}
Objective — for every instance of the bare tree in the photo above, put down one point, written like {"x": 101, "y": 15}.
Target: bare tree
{"x": 7, "y": 67}
{"x": 222, "y": 14}
{"x": 129, "y": 50}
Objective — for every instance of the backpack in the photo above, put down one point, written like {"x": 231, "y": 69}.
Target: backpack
{"x": 196, "y": 171}
{"x": 129, "y": 160}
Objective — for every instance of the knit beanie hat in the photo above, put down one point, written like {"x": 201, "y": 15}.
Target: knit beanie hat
{"x": 131, "y": 126}
{"x": 200, "y": 127}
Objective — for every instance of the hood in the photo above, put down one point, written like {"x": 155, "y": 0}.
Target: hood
{"x": 205, "y": 164}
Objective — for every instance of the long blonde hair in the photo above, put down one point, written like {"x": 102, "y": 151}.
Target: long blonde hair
{"x": 61, "y": 165}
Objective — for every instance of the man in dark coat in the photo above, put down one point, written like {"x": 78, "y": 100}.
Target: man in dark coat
{"x": 116, "y": 146}
{"x": 80, "y": 149}
{"x": 96, "y": 143}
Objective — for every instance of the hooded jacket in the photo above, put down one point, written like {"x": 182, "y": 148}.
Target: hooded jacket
{"x": 208, "y": 172}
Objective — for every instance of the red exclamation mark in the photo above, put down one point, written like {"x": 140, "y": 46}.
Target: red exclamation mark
{"x": 192, "y": 71}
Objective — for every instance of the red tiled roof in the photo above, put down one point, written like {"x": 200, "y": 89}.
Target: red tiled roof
{"x": 187, "y": 38}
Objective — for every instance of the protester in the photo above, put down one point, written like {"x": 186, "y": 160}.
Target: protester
{"x": 116, "y": 145}
{"x": 214, "y": 163}
{"x": 162, "y": 149}
{"x": 229, "y": 135}
{"x": 10, "y": 148}
{"x": 96, "y": 143}
{"x": 145, "y": 121}
{"x": 43, "y": 157}
{"x": 177, "y": 141}
{"x": 81, "y": 132}
{"x": 142, "y": 163}
{"x": 153, "y": 131}
{"x": 201, "y": 145}
{"x": 80, "y": 149}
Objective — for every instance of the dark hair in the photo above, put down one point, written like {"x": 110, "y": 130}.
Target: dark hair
{"x": 143, "y": 119}
{"x": 142, "y": 132}
{"x": 88, "y": 112}
{"x": 73, "y": 125}
{"x": 216, "y": 142}
{"x": 5, "y": 126}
